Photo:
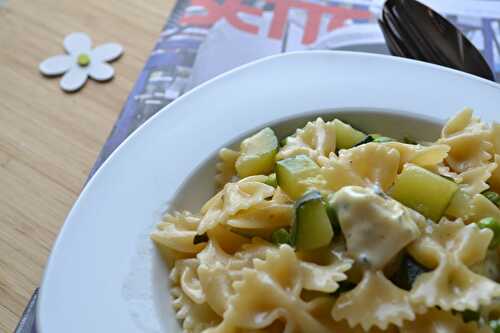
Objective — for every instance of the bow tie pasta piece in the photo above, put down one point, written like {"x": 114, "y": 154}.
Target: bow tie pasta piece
{"x": 424, "y": 156}
{"x": 213, "y": 254}
{"x": 472, "y": 208}
{"x": 213, "y": 201}
{"x": 189, "y": 299}
{"x": 481, "y": 207}
{"x": 449, "y": 249}
{"x": 375, "y": 226}
{"x": 269, "y": 293}
{"x": 324, "y": 278}
{"x": 468, "y": 151}
{"x": 343, "y": 327}
{"x": 229, "y": 240}
{"x": 473, "y": 181}
{"x": 226, "y": 171}
{"x": 218, "y": 270}
{"x": 462, "y": 121}
{"x": 260, "y": 304}
{"x": 234, "y": 198}
{"x": 256, "y": 249}
{"x": 443, "y": 170}
{"x": 453, "y": 286}
{"x": 374, "y": 302}
{"x": 320, "y": 308}
{"x": 282, "y": 266}
{"x": 217, "y": 284}
{"x": 177, "y": 232}
{"x": 226, "y": 327}
{"x": 468, "y": 243}
{"x": 338, "y": 175}
{"x": 195, "y": 318}
{"x": 266, "y": 215}
{"x": 242, "y": 195}
{"x": 365, "y": 165}
{"x": 374, "y": 162}
{"x": 316, "y": 139}
{"x": 184, "y": 274}
{"x": 469, "y": 141}
{"x": 437, "y": 321}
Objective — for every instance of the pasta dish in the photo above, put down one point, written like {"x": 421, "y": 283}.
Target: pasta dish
{"x": 334, "y": 230}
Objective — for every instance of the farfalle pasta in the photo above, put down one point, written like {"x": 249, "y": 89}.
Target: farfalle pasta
{"x": 469, "y": 140}
{"x": 437, "y": 321}
{"x": 334, "y": 230}
{"x": 316, "y": 139}
{"x": 226, "y": 170}
{"x": 177, "y": 232}
{"x": 449, "y": 250}
{"x": 375, "y": 163}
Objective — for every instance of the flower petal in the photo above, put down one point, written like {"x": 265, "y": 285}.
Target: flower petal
{"x": 106, "y": 52}
{"x": 56, "y": 65}
{"x": 101, "y": 71}
{"x": 77, "y": 42}
{"x": 74, "y": 79}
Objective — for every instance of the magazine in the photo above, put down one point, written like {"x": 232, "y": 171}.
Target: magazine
{"x": 204, "y": 38}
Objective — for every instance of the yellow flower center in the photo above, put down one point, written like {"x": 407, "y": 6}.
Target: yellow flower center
{"x": 83, "y": 60}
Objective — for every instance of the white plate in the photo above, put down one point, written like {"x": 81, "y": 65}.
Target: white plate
{"x": 104, "y": 275}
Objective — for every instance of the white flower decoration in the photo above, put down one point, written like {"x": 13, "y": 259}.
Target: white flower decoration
{"x": 81, "y": 62}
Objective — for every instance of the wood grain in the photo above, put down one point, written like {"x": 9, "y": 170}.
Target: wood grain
{"x": 48, "y": 139}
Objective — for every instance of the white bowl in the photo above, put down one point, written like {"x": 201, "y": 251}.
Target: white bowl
{"x": 104, "y": 274}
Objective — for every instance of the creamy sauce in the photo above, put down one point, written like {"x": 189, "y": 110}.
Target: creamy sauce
{"x": 375, "y": 226}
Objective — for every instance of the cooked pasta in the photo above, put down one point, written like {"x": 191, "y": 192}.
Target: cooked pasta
{"x": 335, "y": 230}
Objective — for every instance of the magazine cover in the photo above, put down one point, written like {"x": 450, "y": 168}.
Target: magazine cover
{"x": 204, "y": 38}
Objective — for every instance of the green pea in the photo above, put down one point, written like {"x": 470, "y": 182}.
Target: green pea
{"x": 495, "y": 325}
{"x": 280, "y": 236}
{"x": 493, "y": 225}
{"x": 493, "y": 197}
{"x": 271, "y": 180}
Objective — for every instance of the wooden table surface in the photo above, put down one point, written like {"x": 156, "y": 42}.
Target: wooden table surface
{"x": 49, "y": 140}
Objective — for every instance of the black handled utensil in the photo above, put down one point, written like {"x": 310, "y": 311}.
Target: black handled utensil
{"x": 413, "y": 30}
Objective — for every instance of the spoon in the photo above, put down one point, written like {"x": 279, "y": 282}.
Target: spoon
{"x": 413, "y": 30}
